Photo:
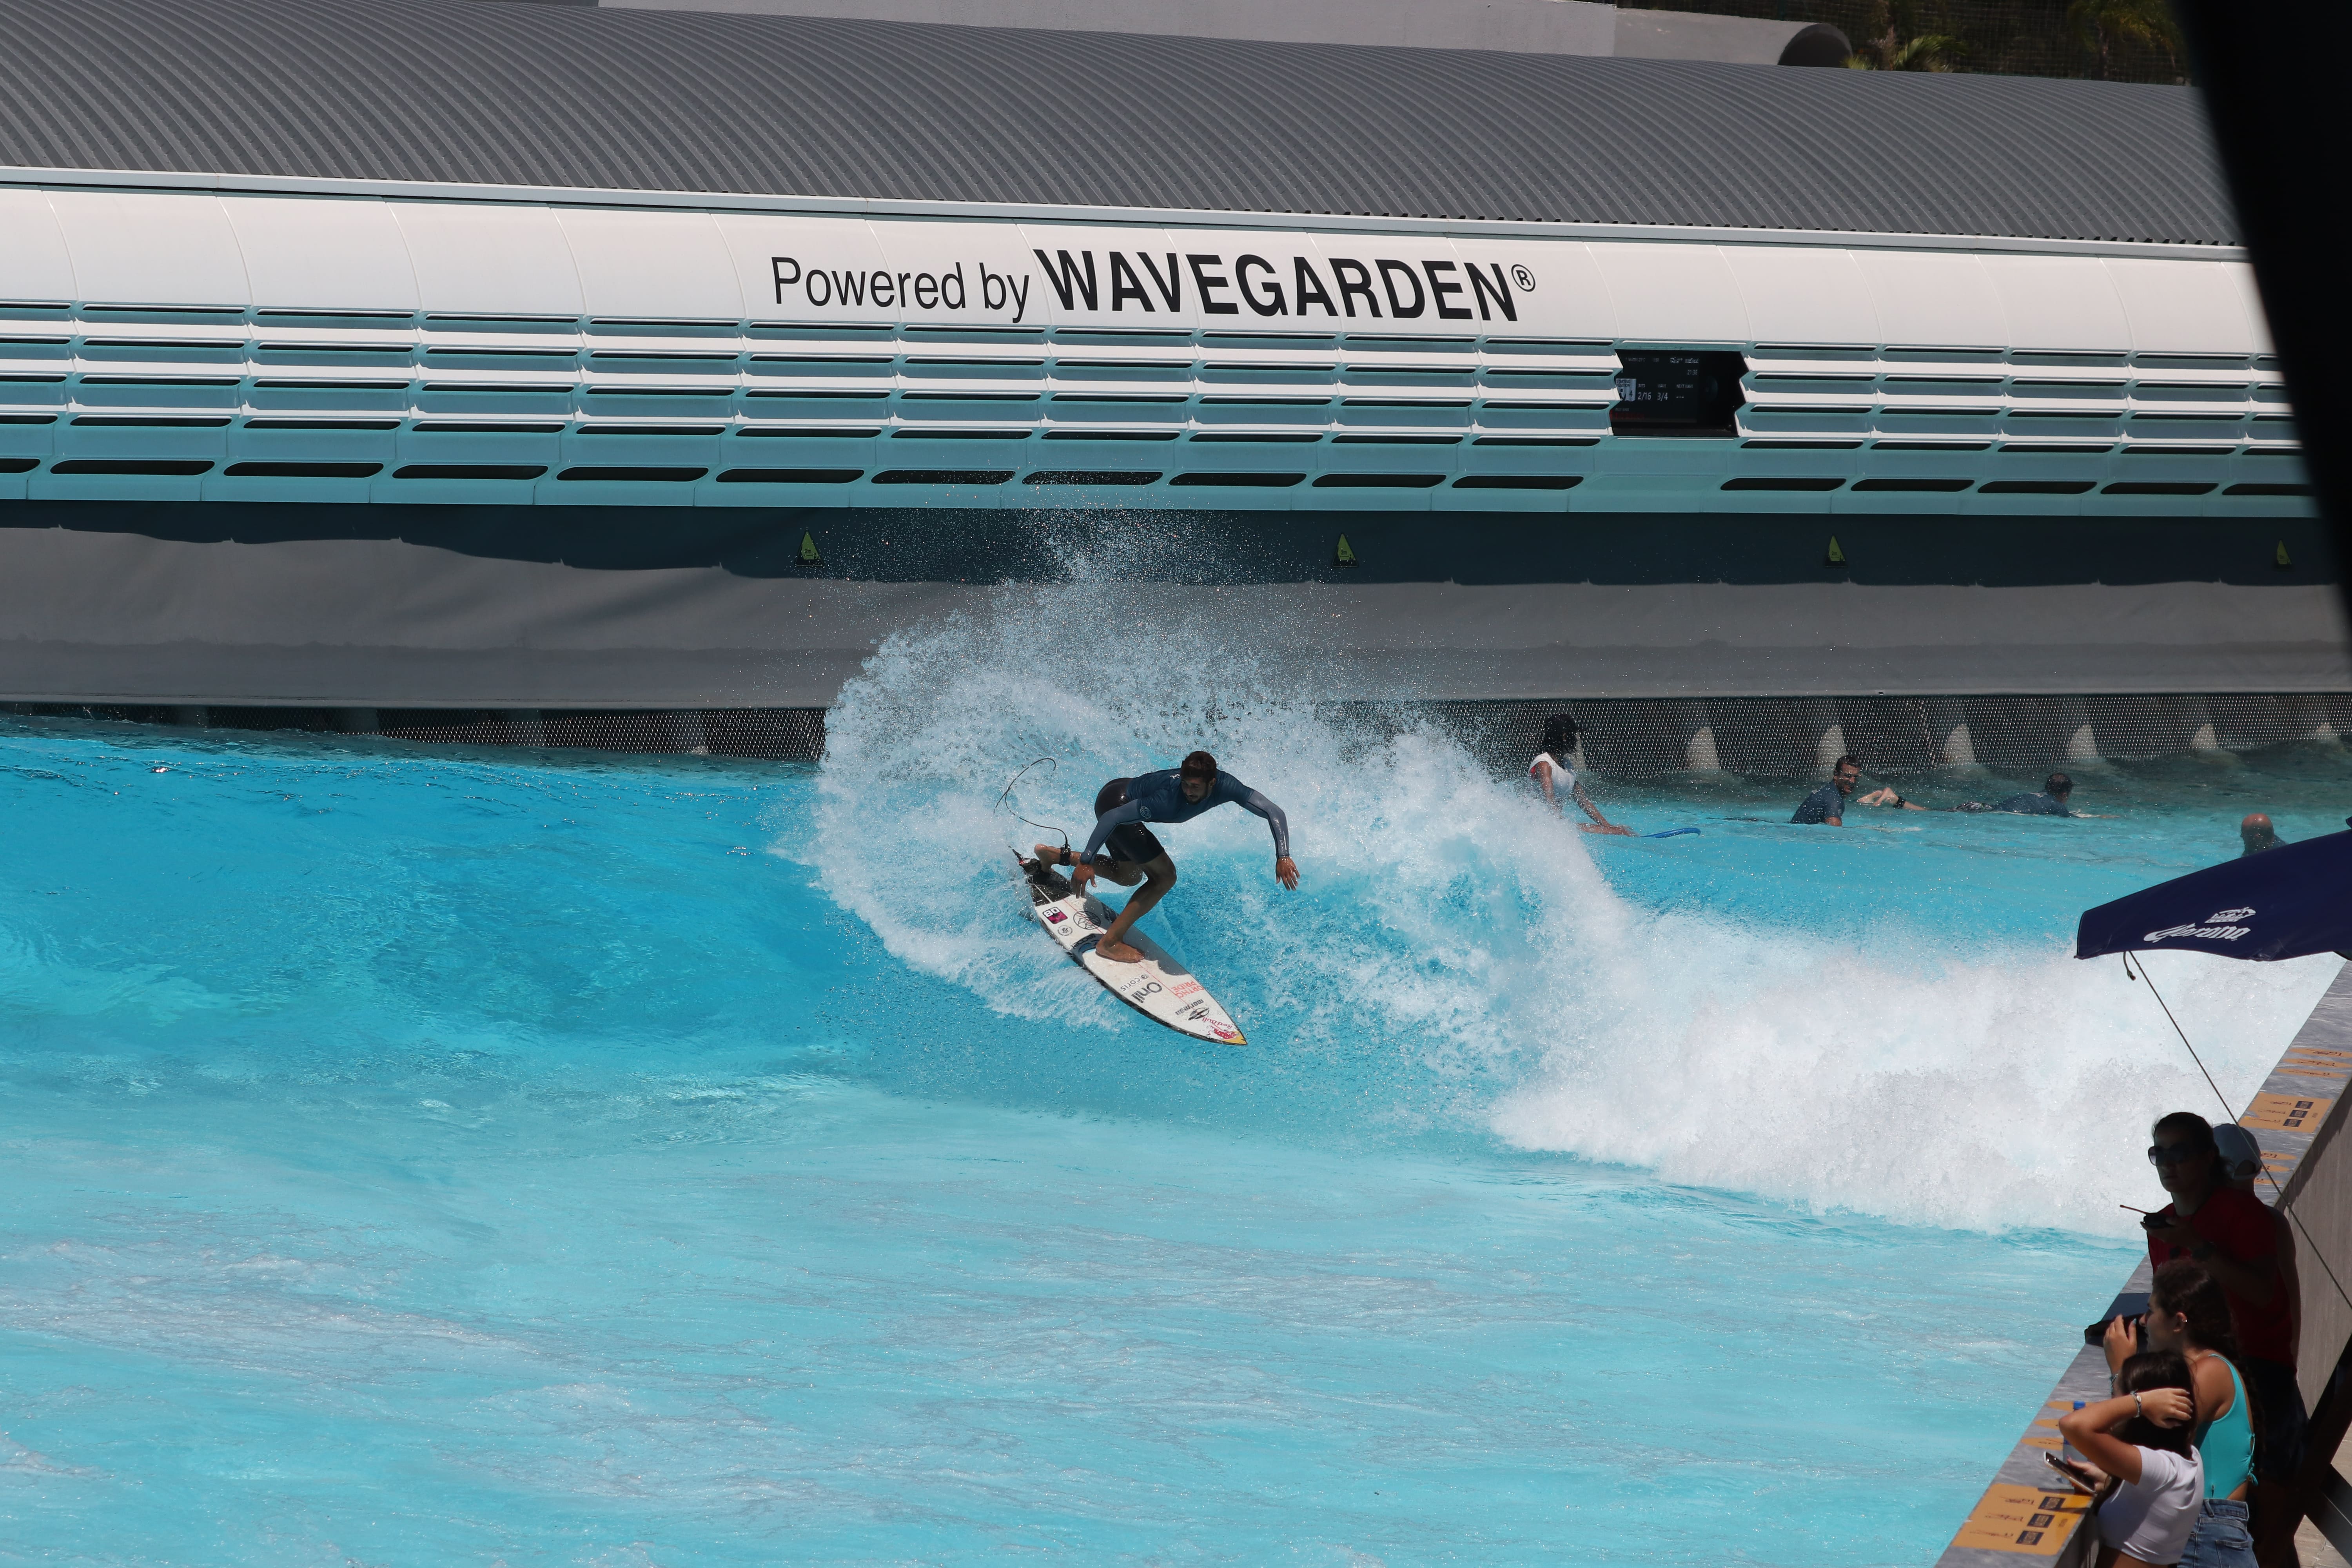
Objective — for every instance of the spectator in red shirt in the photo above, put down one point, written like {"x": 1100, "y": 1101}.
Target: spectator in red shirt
{"x": 2229, "y": 1231}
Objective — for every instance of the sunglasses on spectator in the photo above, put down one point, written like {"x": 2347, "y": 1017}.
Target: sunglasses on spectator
{"x": 2171, "y": 1153}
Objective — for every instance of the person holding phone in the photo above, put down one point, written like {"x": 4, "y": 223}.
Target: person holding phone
{"x": 2138, "y": 1462}
{"x": 2187, "y": 1313}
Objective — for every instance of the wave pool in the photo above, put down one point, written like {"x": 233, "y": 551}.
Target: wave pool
{"x": 529, "y": 1159}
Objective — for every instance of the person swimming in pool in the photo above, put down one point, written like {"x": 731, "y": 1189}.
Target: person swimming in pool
{"x": 1170, "y": 795}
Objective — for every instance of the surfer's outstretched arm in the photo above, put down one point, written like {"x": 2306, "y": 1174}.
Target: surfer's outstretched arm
{"x": 1285, "y": 869}
{"x": 1600, "y": 823}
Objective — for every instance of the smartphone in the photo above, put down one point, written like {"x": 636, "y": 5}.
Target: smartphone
{"x": 2065, "y": 1469}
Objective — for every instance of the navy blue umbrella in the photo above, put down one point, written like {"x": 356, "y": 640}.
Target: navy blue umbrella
{"x": 2285, "y": 902}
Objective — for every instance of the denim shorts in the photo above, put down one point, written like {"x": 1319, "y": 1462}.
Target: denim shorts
{"x": 2221, "y": 1540}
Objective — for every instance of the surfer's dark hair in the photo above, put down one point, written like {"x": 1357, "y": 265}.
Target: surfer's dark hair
{"x": 1560, "y": 733}
{"x": 1199, "y": 766}
{"x": 2058, "y": 783}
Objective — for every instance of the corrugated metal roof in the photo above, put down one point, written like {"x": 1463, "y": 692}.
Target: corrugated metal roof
{"x": 543, "y": 95}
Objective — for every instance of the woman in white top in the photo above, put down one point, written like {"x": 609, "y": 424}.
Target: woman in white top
{"x": 2136, "y": 1459}
{"x": 1555, "y": 774}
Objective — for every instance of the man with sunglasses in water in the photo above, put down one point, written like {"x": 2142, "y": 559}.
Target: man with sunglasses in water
{"x": 1171, "y": 794}
{"x": 2235, "y": 1239}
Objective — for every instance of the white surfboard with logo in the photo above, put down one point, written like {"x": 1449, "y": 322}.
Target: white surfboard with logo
{"x": 1158, "y": 987}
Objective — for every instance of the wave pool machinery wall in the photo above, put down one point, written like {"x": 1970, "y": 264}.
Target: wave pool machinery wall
{"x": 539, "y": 453}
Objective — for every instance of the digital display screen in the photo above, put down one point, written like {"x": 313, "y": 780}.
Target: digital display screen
{"x": 1686, "y": 391}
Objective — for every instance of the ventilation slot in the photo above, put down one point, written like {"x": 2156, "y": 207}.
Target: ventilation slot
{"x": 154, "y": 421}
{"x": 943, "y": 477}
{"x": 1518, "y": 481}
{"x": 634, "y": 476}
{"x": 790, "y": 476}
{"x": 322, "y": 424}
{"x": 469, "y": 472}
{"x": 1930, "y": 486}
{"x": 1378, "y": 482}
{"x": 485, "y": 427}
{"x": 19, "y": 465}
{"x": 2268, "y": 491}
{"x": 2156, "y": 488}
{"x": 1780, "y": 484}
{"x": 2034, "y": 487}
{"x": 176, "y": 466}
{"x": 303, "y": 470}
{"x": 1240, "y": 482}
{"x": 1084, "y": 477}
{"x": 836, "y": 432}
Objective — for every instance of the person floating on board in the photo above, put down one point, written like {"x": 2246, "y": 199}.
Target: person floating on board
{"x": 1827, "y": 804}
{"x": 2258, "y": 833}
{"x": 1171, "y": 794}
{"x": 2049, "y": 801}
{"x": 1554, "y": 770}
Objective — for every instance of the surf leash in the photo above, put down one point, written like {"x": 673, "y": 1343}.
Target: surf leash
{"x": 1013, "y": 783}
{"x": 1671, "y": 833}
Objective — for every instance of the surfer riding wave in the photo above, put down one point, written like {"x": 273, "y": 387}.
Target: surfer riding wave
{"x": 1170, "y": 795}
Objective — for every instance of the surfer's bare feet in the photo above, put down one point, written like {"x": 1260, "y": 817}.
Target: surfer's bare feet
{"x": 1119, "y": 952}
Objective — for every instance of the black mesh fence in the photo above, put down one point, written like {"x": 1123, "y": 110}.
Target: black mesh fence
{"x": 1757, "y": 737}
{"x": 1895, "y": 737}
{"x": 2114, "y": 40}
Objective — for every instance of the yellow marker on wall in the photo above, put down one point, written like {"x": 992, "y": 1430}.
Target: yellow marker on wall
{"x": 1345, "y": 556}
{"x": 2284, "y": 558}
{"x": 1837, "y": 556}
{"x": 809, "y": 557}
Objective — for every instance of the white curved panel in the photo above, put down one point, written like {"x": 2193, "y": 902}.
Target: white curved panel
{"x": 672, "y": 264}
{"x": 33, "y": 262}
{"x": 779, "y": 259}
{"x": 2059, "y": 302}
{"x": 995, "y": 275}
{"x": 1561, "y": 296}
{"x": 1673, "y": 293}
{"x": 1104, "y": 276}
{"x": 1933, "y": 299}
{"x": 1803, "y": 296}
{"x": 322, "y": 253}
{"x": 489, "y": 260}
{"x": 2181, "y": 307}
{"x": 2241, "y": 277}
{"x": 151, "y": 248}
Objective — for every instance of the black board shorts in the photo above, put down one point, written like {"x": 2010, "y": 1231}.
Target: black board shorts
{"x": 1129, "y": 841}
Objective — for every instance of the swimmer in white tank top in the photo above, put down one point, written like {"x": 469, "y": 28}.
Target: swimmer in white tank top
{"x": 1555, "y": 775}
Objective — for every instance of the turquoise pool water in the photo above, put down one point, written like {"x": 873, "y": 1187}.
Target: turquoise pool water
{"x": 498, "y": 1158}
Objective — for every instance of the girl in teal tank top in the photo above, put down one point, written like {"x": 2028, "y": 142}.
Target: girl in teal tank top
{"x": 2187, "y": 1313}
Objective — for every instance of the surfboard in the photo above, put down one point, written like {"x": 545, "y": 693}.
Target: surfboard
{"x": 1158, "y": 987}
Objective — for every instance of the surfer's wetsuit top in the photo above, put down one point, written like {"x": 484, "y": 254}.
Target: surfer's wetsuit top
{"x": 1821, "y": 805}
{"x": 2033, "y": 803}
{"x": 1126, "y": 804}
